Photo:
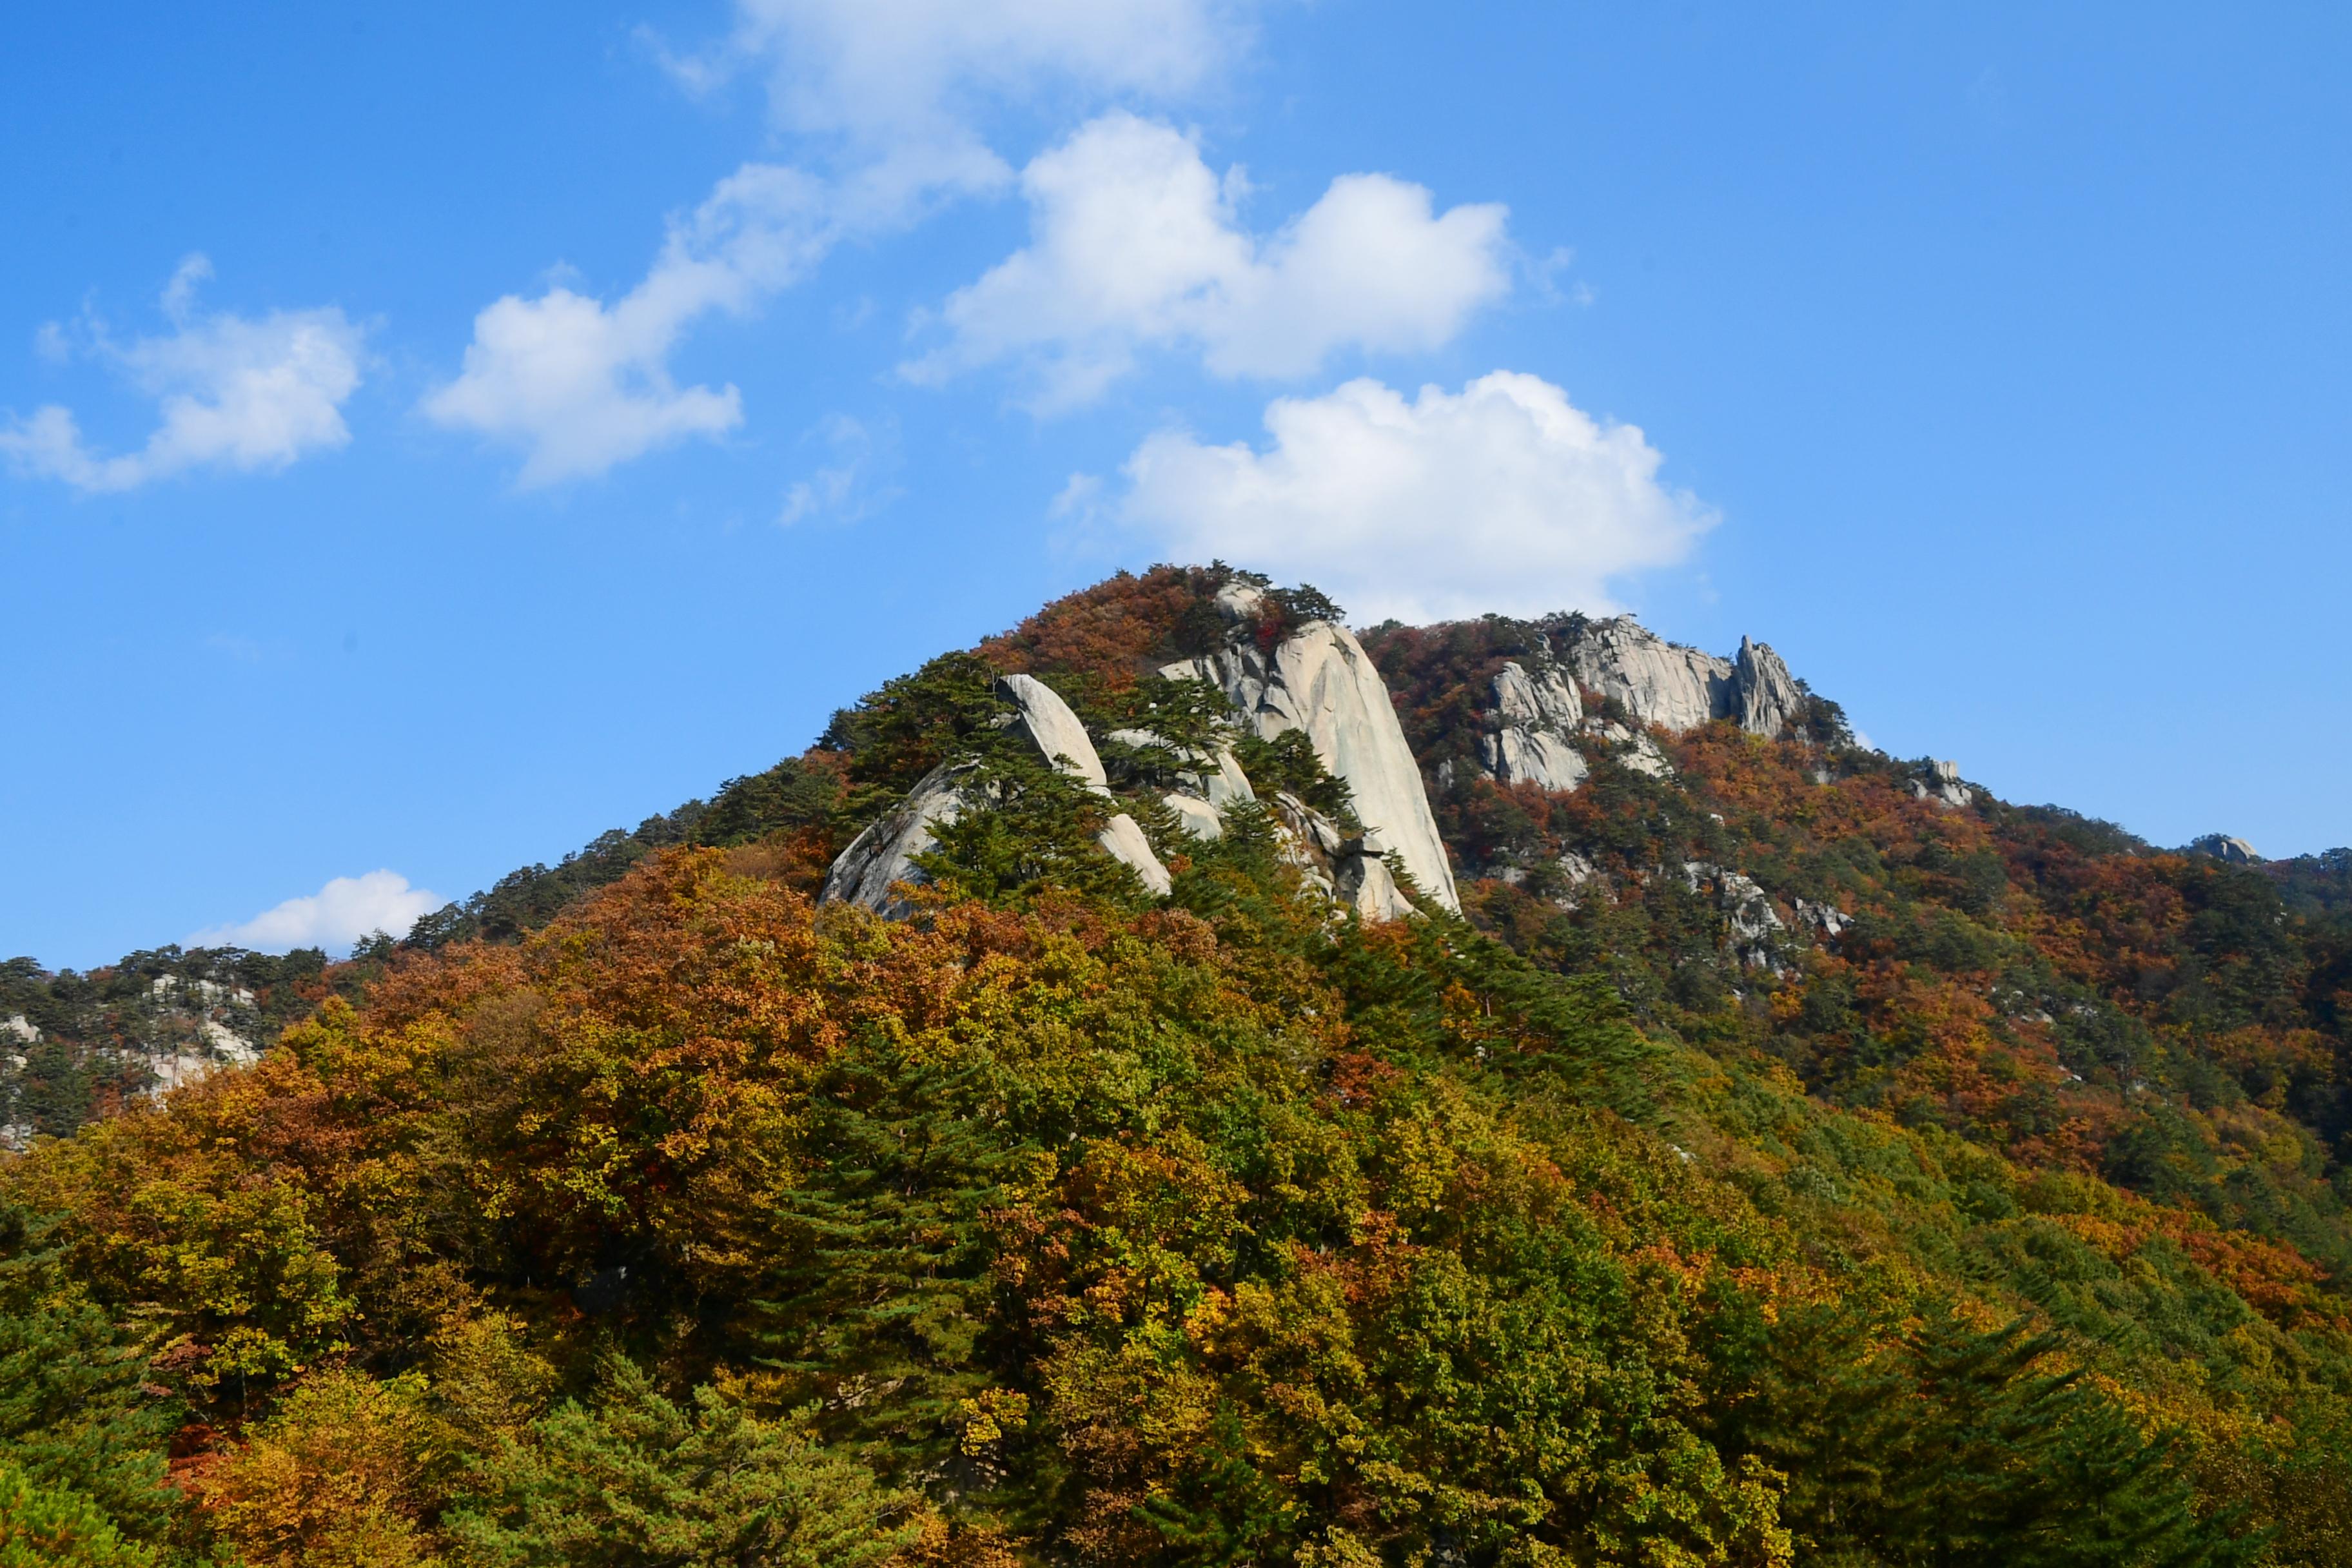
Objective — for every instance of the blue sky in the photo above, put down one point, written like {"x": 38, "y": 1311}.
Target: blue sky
{"x": 432, "y": 441}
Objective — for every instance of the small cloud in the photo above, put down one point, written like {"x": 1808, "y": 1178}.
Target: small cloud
{"x": 248, "y": 393}
{"x": 337, "y": 915}
{"x": 851, "y": 486}
{"x": 1079, "y": 499}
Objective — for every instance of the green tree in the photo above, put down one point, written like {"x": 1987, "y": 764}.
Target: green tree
{"x": 74, "y": 1414}
{"x": 641, "y": 1481}
{"x": 51, "y": 1526}
{"x": 885, "y": 1302}
{"x": 1951, "y": 1448}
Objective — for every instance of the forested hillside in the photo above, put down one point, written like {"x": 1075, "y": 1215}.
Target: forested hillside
{"x": 1788, "y": 1154}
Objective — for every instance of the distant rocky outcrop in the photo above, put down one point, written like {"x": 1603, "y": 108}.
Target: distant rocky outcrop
{"x": 1677, "y": 687}
{"x": 1317, "y": 679}
{"x": 1940, "y": 782}
{"x": 2231, "y": 851}
{"x": 171, "y": 1030}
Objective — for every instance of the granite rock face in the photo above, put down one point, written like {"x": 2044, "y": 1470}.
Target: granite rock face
{"x": 1320, "y": 680}
{"x": 1533, "y": 756}
{"x": 1677, "y": 687}
{"x": 1217, "y": 779}
{"x": 1053, "y": 729}
{"x": 1532, "y": 717}
{"x": 1058, "y": 736}
{"x": 1752, "y": 925}
{"x": 1658, "y": 682}
{"x": 1122, "y": 839}
{"x": 1764, "y": 696}
{"x": 883, "y": 855}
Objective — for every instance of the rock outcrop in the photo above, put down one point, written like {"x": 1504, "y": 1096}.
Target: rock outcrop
{"x": 2221, "y": 847}
{"x": 1677, "y": 687}
{"x": 1350, "y": 869}
{"x": 1058, "y": 736}
{"x": 1751, "y": 924}
{"x": 883, "y": 857}
{"x": 1533, "y": 717}
{"x": 1764, "y": 695}
{"x": 1041, "y": 716}
{"x": 1320, "y": 680}
{"x": 1940, "y": 782}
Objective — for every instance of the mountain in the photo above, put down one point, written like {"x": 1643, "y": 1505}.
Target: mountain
{"x": 1187, "y": 1082}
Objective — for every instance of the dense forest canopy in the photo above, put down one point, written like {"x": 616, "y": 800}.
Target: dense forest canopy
{"x": 1772, "y": 1164}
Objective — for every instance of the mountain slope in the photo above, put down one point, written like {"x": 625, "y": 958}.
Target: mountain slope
{"x": 1788, "y": 1154}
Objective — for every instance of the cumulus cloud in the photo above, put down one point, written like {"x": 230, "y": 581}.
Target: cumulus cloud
{"x": 337, "y": 915}
{"x": 888, "y": 97}
{"x": 1502, "y": 497}
{"x": 1135, "y": 244}
{"x": 902, "y": 84}
{"x": 580, "y": 386}
{"x": 242, "y": 393}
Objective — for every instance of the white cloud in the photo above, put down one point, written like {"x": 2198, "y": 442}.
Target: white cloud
{"x": 888, "y": 95}
{"x": 1502, "y": 497}
{"x": 581, "y": 385}
{"x": 902, "y": 83}
{"x": 235, "y": 392}
{"x": 337, "y": 915}
{"x": 1135, "y": 244}
{"x": 854, "y": 483}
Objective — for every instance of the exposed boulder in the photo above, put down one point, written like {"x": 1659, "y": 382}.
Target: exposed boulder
{"x": 1122, "y": 839}
{"x": 1350, "y": 870}
{"x": 1826, "y": 919}
{"x": 1535, "y": 757}
{"x": 1320, "y": 680}
{"x": 1542, "y": 699}
{"x": 1364, "y": 884}
{"x": 1217, "y": 779}
{"x": 1940, "y": 782}
{"x": 1053, "y": 729}
{"x": 1753, "y": 926}
{"x": 1063, "y": 741}
{"x": 1633, "y": 749}
{"x": 883, "y": 855}
{"x": 2221, "y": 847}
{"x": 1196, "y": 817}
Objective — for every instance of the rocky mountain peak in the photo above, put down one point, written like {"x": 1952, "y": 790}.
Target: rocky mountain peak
{"x": 1677, "y": 687}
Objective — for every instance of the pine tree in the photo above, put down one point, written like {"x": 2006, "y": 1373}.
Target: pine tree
{"x": 51, "y": 1526}
{"x": 642, "y": 1481}
{"x": 1951, "y": 1448}
{"x": 884, "y": 1304}
{"x": 73, "y": 1412}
